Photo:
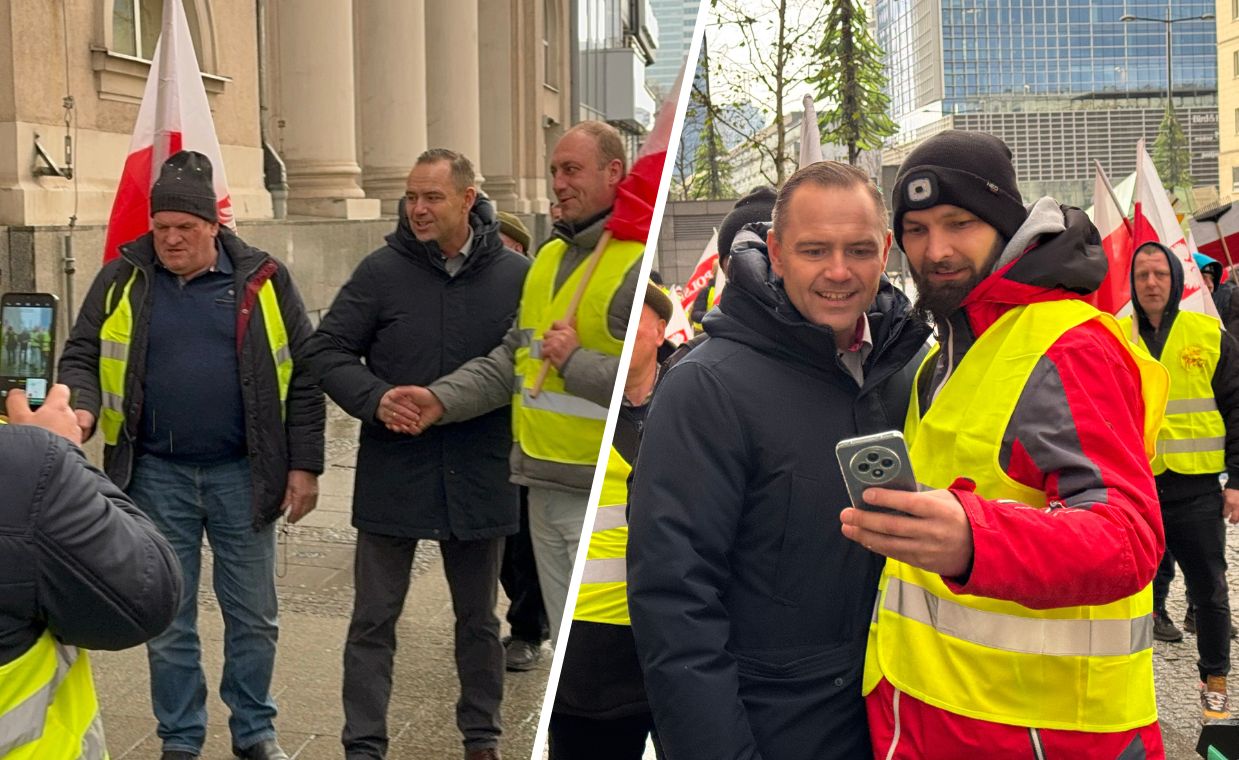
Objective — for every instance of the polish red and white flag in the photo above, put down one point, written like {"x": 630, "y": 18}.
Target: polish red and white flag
{"x": 1114, "y": 295}
{"x": 1153, "y": 220}
{"x": 700, "y": 278}
{"x": 174, "y": 116}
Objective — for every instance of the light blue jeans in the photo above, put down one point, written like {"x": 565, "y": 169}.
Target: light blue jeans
{"x": 184, "y": 502}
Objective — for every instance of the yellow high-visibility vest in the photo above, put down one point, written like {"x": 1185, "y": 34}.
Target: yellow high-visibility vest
{"x": 1084, "y": 668}
{"x": 1193, "y": 438}
{"x": 603, "y": 596}
{"x": 48, "y": 708}
{"x": 116, "y": 334}
{"x": 558, "y": 426}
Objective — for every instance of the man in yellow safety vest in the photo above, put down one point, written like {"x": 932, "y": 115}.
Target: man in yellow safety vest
{"x": 186, "y": 355}
{"x": 1013, "y": 614}
{"x": 80, "y": 568}
{"x": 1194, "y": 447}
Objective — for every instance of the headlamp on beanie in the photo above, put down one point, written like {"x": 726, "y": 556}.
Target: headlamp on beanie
{"x": 971, "y": 170}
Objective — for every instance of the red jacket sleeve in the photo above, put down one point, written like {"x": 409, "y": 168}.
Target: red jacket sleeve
{"x": 1076, "y": 434}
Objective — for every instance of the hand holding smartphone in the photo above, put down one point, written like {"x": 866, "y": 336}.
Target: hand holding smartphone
{"x": 875, "y": 461}
{"x": 27, "y": 341}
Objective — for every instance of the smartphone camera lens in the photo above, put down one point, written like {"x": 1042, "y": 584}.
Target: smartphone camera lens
{"x": 878, "y": 473}
{"x": 888, "y": 463}
{"x": 863, "y": 467}
{"x": 872, "y": 456}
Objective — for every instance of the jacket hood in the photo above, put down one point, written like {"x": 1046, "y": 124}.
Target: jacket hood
{"x": 482, "y": 220}
{"x": 756, "y": 311}
{"x": 1055, "y": 255}
{"x": 1176, "y": 286}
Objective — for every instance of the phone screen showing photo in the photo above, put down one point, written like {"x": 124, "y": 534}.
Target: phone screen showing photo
{"x": 26, "y": 343}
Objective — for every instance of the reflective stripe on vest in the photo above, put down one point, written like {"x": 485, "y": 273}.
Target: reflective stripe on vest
{"x": 48, "y": 707}
{"x": 277, "y": 340}
{"x": 1084, "y": 668}
{"x": 558, "y": 426}
{"x": 116, "y": 335}
{"x": 1193, "y": 439}
{"x": 603, "y": 597}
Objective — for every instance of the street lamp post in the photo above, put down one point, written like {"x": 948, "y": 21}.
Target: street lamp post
{"x": 1168, "y": 22}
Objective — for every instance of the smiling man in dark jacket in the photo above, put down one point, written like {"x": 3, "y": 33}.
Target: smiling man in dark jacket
{"x": 748, "y": 608}
{"x": 442, "y": 291}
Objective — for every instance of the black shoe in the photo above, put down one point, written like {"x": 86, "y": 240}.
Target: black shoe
{"x": 520, "y": 655}
{"x": 177, "y": 754}
{"x": 1164, "y": 629}
{"x": 267, "y": 749}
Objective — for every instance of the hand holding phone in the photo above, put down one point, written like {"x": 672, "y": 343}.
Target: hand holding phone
{"x": 54, "y": 415}
{"x": 27, "y": 341}
{"x": 875, "y": 461}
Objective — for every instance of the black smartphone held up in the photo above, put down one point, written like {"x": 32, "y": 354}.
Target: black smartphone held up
{"x": 27, "y": 340}
{"x": 875, "y": 461}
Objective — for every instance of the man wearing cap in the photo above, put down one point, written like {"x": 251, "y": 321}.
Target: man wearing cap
{"x": 601, "y": 698}
{"x": 1014, "y": 615}
{"x": 440, "y": 292}
{"x": 749, "y": 610}
{"x": 756, "y": 207}
{"x": 187, "y": 357}
{"x": 514, "y": 233}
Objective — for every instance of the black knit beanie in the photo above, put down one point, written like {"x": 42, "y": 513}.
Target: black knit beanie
{"x": 185, "y": 184}
{"x": 757, "y": 206}
{"x": 971, "y": 170}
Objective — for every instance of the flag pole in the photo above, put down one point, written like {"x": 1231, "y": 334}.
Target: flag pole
{"x": 1113, "y": 197}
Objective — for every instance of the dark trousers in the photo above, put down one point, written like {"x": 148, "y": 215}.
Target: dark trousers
{"x": 381, "y": 578}
{"x": 519, "y": 576}
{"x": 1162, "y": 581}
{"x": 1196, "y": 536}
{"x": 576, "y": 738}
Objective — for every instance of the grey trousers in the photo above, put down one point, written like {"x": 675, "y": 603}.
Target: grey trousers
{"x": 555, "y": 520}
{"x": 381, "y": 579}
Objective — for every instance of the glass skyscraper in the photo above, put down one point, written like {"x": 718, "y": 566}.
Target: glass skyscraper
{"x": 1063, "y": 82}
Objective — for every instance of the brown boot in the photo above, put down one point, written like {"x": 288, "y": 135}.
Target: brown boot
{"x": 1214, "y": 703}
{"x": 483, "y": 753}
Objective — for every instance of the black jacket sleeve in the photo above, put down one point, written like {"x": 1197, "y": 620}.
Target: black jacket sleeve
{"x": 104, "y": 576}
{"x": 307, "y": 411}
{"x": 1226, "y": 391}
{"x": 686, "y": 503}
{"x": 333, "y": 354}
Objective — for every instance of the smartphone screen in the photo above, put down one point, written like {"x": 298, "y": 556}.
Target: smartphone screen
{"x": 27, "y": 340}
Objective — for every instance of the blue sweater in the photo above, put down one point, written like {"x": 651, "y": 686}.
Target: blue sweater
{"x": 192, "y": 412}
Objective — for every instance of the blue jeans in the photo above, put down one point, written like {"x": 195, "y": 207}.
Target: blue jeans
{"x": 183, "y": 501}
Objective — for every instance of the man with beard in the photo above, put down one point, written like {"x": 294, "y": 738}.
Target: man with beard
{"x": 748, "y": 609}
{"x": 1021, "y": 583}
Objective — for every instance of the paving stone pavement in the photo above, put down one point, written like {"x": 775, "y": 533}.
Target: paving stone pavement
{"x": 315, "y": 592}
{"x": 1174, "y": 667}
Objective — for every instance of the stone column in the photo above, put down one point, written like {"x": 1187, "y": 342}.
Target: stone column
{"x": 313, "y": 42}
{"x": 453, "y": 83}
{"x": 391, "y": 93}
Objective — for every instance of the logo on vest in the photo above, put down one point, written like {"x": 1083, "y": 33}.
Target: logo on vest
{"x": 1192, "y": 359}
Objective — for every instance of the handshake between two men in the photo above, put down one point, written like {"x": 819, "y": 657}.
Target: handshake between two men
{"x": 411, "y": 409}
